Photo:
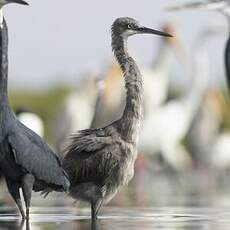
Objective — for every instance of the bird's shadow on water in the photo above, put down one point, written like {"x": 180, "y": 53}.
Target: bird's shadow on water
{"x": 14, "y": 225}
{"x": 12, "y": 221}
{"x": 9, "y": 219}
{"x": 85, "y": 224}
{"x": 94, "y": 225}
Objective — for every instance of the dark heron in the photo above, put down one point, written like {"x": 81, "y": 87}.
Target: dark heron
{"x": 26, "y": 161}
{"x": 222, "y": 6}
{"x": 100, "y": 161}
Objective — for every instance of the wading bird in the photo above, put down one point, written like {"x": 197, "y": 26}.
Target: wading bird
{"x": 111, "y": 102}
{"x": 26, "y": 161}
{"x": 100, "y": 161}
{"x": 222, "y": 6}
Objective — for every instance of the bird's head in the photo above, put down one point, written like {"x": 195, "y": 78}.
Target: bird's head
{"x": 4, "y": 2}
{"x": 217, "y": 5}
{"x": 126, "y": 27}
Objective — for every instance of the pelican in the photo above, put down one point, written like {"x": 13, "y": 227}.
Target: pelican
{"x": 222, "y": 6}
{"x": 157, "y": 76}
{"x": 164, "y": 130}
{"x": 76, "y": 112}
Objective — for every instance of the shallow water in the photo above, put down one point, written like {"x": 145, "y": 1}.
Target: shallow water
{"x": 154, "y": 201}
{"x": 120, "y": 218}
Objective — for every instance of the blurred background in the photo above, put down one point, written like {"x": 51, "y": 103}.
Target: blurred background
{"x": 63, "y": 77}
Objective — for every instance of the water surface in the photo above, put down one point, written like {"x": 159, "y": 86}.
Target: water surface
{"x": 151, "y": 201}
{"x": 120, "y": 218}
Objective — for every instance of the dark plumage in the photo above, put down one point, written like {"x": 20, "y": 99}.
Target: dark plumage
{"x": 227, "y": 62}
{"x": 100, "y": 161}
{"x": 26, "y": 161}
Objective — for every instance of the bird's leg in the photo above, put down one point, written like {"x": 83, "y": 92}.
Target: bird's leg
{"x": 22, "y": 224}
{"x": 98, "y": 207}
{"x": 14, "y": 191}
{"x": 93, "y": 214}
{"x": 27, "y": 187}
{"x": 94, "y": 226}
{"x": 27, "y": 224}
{"x": 93, "y": 211}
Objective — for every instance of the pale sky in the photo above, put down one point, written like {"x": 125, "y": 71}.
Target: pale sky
{"x": 52, "y": 39}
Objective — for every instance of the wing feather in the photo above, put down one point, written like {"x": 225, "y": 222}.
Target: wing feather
{"x": 37, "y": 160}
{"x": 88, "y": 141}
{"x": 89, "y": 156}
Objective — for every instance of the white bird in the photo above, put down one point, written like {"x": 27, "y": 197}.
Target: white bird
{"x": 220, "y": 149}
{"x": 110, "y": 97}
{"x": 220, "y": 157}
{"x": 157, "y": 77}
{"x": 222, "y": 6}
{"x": 164, "y": 130}
{"x": 219, "y": 5}
{"x": 205, "y": 128}
{"x": 76, "y": 112}
{"x": 31, "y": 120}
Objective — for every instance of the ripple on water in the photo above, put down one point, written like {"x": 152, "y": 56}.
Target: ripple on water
{"x": 126, "y": 219}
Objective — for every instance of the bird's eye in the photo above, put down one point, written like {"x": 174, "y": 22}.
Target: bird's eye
{"x": 129, "y": 26}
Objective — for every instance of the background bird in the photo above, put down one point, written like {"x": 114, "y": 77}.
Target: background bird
{"x": 110, "y": 98}
{"x": 75, "y": 112}
{"x": 31, "y": 120}
{"x": 207, "y": 122}
{"x": 26, "y": 161}
{"x": 100, "y": 161}
{"x": 222, "y": 6}
{"x": 163, "y": 132}
{"x": 157, "y": 77}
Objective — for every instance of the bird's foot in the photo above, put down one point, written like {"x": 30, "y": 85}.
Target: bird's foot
{"x": 23, "y": 216}
{"x": 27, "y": 214}
{"x": 46, "y": 192}
{"x": 22, "y": 224}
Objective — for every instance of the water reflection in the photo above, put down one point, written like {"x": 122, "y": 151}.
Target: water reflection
{"x": 159, "y": 202}
{"x": 173, "y": 218}
{"x": 11, "y": 225}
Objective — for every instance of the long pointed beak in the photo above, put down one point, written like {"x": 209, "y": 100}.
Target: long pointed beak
{"x": 146, "y": 30}
{"x": 19, "y": 2}
{"x": 216, "y": 5}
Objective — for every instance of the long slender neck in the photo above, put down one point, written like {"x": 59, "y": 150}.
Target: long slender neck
{"x": 132, "y": 114}
{"x": 3, "y": 60}
{"x": 227, "y": 62}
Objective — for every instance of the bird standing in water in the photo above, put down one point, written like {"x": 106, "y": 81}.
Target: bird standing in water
{"x": 100, "y": 161}
{"x": 26, "y": 161}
